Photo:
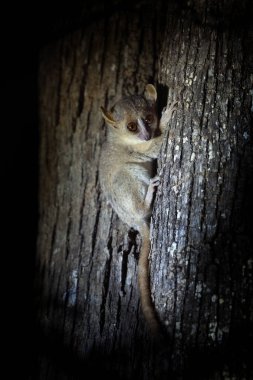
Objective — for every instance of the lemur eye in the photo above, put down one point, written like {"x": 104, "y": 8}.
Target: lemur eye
{"x": 132, "y": 127}
{"x": 149, "y": 119}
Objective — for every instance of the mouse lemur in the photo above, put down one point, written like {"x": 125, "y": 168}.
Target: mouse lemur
{"x": 127, "y": 174}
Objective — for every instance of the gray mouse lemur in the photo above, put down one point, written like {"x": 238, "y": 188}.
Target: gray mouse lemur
{"x": 127, "y": 174}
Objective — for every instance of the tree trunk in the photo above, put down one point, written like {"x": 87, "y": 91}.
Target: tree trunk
{"x": 201, "y": 220}
{"x": 89, "y": 317}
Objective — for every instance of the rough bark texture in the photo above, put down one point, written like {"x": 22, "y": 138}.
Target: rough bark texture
{"x": 89, "y": 318}
{"x": 201, "y": 221}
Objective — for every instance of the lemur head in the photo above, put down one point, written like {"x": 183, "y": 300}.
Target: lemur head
{"x": 134, "y": 118}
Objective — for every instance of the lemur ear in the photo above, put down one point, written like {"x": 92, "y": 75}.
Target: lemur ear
{"x": 150, "y": 93}
{"x": 108, "y": 117}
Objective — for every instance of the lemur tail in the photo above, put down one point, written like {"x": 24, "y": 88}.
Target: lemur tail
{"x": 144, "y": 283}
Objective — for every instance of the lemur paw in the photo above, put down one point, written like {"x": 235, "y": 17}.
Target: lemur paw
{"x": 155, "y": 181}
{"x": 167, "y": 114}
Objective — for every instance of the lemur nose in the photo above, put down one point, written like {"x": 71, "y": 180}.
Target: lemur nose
{"x": 146, "y": 135}
{"x": 145, "y": 131}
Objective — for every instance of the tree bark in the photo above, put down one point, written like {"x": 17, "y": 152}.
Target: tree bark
{"x": 202, "y": 241}
{"x": 89, "y": 317}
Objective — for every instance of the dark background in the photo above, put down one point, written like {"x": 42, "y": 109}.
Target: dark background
{"x": 26, "y": 28}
